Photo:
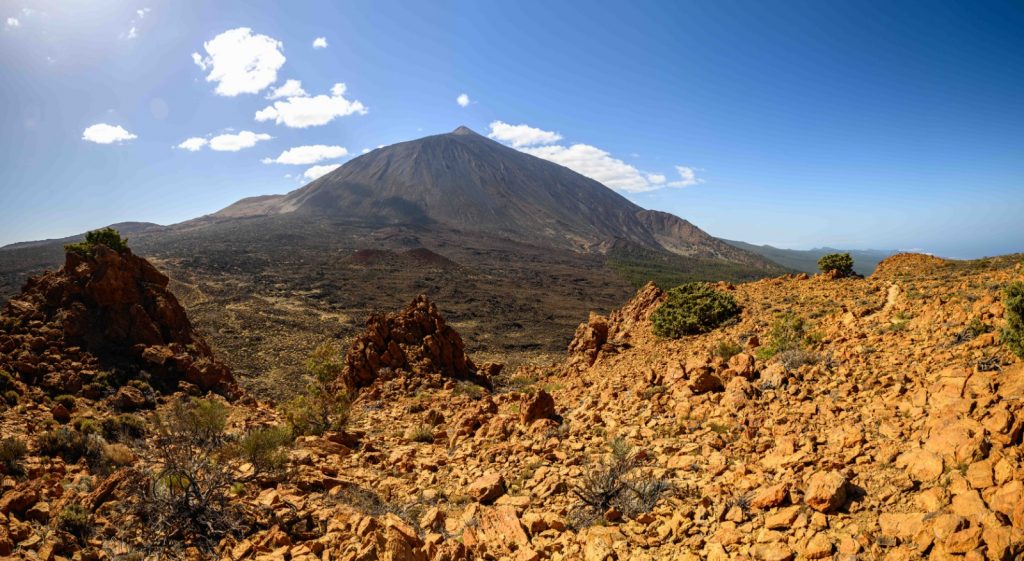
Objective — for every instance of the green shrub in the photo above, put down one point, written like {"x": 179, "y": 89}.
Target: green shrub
{"x": 70, "y": 445}
{"x": 68, "y": 401}
{"x": 266, "y": 448}
{"x": 12, "y": 452}
{"x": 727, "y": 349}
{"x": 422, "y": 433}
{"x": 787, "y": 337}
{"x": 325, "y": 407}
{"x": 693, "y": 308}
{"x": 201, "y": 419}
{"x": 105, "y": 236}
{"x": 841, "y": 263}
{"x": 124, "y": 426}
{"x": 6, "y": 381}
{"x": 11, "y": 397}
{"x": 75, "y": 520}
{"x": 1013, "y": 333}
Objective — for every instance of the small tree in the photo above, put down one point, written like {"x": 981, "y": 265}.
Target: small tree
{"x": 1013, "y": 333}
{"x": 326, "y": 405}
{"x": 693, "y": 308}
{"x": 106, "y": 236}
{"x": 841, "y": 263}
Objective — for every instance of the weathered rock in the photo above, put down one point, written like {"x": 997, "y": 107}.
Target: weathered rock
{"x": 826, "y": 491}
{"x": 487, "y": 487}
{"x": 415, "y": 340}
{"x": 539, "y": 405}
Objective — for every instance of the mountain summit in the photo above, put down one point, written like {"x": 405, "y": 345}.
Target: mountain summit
{"x": 468, "y": 182}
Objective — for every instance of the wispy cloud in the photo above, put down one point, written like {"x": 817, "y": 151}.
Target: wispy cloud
{"x": 225, "y": 142}
{"x": 308, "y": 154}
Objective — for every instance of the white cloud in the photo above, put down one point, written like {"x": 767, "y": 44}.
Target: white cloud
{"x": 462, "y": 100}
{"x": 103, "y": 133}
{"x": 132, "y": 33}
{"x": 366, "y": 150}
{"x": 13, "y": 22}
{"x": 302, "y": 112}
{"x": 320, "y": 43}
{"x": 522, "y": 135}
{"x": 241, "y": 62}
{"x": 193, "y": 144}
{"x": 291, "y": 88}
{"x": 656, "y": 178}
{"x": 595, "y": 164}
{"x": 142, "y": 13}
{"x": 316, "y": 172}
{"x": 687, "y": 177}
{"x": 308, "y": 154}
{"x": 236, "y": 142}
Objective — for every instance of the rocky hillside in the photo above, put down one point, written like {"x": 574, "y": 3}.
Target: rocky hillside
{"x": 875, "y": 418}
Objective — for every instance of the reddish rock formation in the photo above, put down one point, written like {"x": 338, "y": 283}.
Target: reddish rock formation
{"x": 607, "y": 334}
{"x": 416, "y": 340}
{"x": 104, "y": 310}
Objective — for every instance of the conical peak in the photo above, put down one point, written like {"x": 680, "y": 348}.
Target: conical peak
{"x": 464, "y": 130}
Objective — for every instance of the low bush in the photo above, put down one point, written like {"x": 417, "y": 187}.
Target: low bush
{"x": 70, "y": 445}
{"x": 68, "y": 401}
{"x": 75, "y": 520}
{"x": 325, "y": 407}
{"x": 105, "y": 236}
{"x": 613, "y": 483}
{"x": 840, "y": 263}
{"x": 788, "y": 337}
{"x": 1013, "y": 334}
{"x": 693, "y": 308}
{"x": 123, "y": 427}
{"x": 727, "y": 349}
{"x": 118, "y": 455}
{"x": 266, "y": 449}
{"x": 422, "y": 433}
{"x": 12, "y": 452}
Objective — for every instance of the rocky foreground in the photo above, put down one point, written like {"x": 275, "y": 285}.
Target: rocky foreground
{"x": 892, "y": 431}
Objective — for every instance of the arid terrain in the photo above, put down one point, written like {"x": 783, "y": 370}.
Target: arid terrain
{"x": 834, "y": 418}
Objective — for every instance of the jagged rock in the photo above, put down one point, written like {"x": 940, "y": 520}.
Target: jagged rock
{"x": 116, "y": 306}
{"x": 416, "y": 340}
{"x": 540, "y": 405}
{"x": 826, "y": 491}
{"x": 591, "y": 337}
{"x": 487, "y": 488}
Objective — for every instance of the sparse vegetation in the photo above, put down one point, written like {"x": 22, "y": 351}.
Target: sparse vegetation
{"x": 187, "y": 498}
{"x": 691, "y": 309}
{"x": 839, "y": 263}
{"x": 106, "y": 236}
{"x": 12, "y": 452}
{"x": 266, "y": 449}
{"x": 612, "y": 483}
{"x": 727, "y": 349}
{"x": 1013, "y": 333}
{"x": 325, "y": 407}
{"x": 123, "y": 427}
{"x": 422, "y": 433}
{"x": 75, "y": 520}
{"x": 71, "y": 445}
{"x": 787, "y": 333}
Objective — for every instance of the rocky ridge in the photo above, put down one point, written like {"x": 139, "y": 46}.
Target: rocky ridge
{"x": 897, "y": 438}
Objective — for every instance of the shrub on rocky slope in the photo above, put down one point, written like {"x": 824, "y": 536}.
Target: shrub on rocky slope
{"x": 693, "y": 308}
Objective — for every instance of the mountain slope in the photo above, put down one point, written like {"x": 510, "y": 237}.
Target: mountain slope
{"x": 864, "y": 260}
{"x": 468, "y": 182}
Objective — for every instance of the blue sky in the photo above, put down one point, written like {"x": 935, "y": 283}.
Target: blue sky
{"x": 882, "y": 124}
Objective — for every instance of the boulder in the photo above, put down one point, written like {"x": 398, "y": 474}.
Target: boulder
{"x": 826, "y": 491}
{"x": 487, "y": 487}
{"x": 540, "y": 405}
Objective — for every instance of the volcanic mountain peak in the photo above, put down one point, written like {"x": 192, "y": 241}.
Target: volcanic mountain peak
{"x": 466, "y": 182}
{"x": 464, "y": 130}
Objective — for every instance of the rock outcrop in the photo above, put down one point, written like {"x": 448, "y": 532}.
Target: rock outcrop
{"x": 608, "y": 334}
{"x": 415, "y": 340}
{"x": 105, "y": 310}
